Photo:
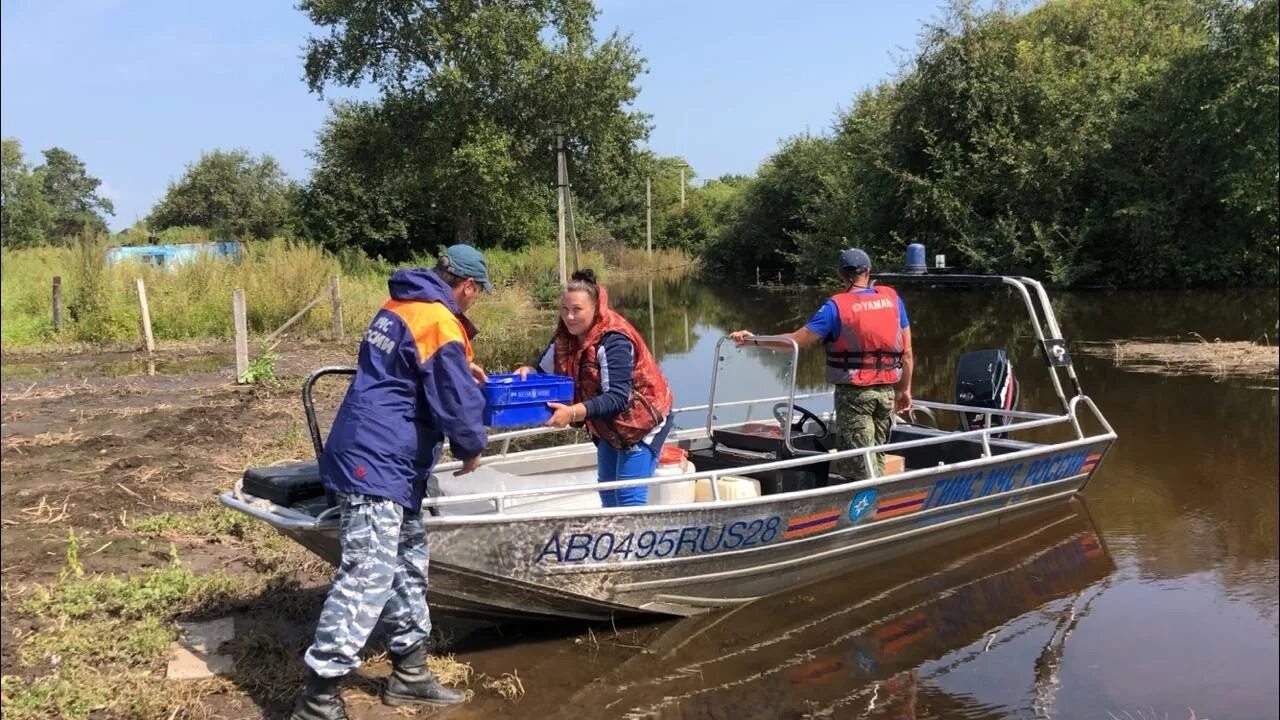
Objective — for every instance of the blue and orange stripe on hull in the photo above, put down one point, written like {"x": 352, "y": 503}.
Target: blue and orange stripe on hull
{"x": 811, "y": 524}
{"x": 900, "y": 505}
{"x": 1091, "y": 462}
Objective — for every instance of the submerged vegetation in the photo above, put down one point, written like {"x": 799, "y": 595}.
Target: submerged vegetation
{"x": 1217, "y": 359}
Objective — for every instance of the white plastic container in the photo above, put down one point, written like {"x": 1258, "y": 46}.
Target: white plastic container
{"x": 673, "y": 462}
{"x": 729, "y": 487}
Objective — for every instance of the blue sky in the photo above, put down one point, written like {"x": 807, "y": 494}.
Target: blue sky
{"x": 139, "y": 88}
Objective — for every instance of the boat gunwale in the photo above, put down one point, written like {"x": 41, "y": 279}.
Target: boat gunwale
{"x": 981, "y": 433}
{"x": 288, "y": 518}
{"x": 897, "y": 478}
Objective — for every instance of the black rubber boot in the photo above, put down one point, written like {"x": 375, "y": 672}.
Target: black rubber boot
{"x": 411, "y": 683}
{"x": 322, "y": 700}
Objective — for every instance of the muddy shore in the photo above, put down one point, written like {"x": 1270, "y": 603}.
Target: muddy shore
{"x": 130, "y": 464}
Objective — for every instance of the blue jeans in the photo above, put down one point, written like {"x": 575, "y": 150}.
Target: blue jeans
{"x": 638, "y": 461}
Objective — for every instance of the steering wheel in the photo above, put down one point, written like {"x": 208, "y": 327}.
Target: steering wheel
{"x": 780, "y": 414}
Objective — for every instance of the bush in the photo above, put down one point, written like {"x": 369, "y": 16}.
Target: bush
{"x": 26, "y": 297}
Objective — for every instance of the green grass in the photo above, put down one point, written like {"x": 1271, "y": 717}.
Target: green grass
{"x": 206, "y": 522}
{"x": 99, "y": 641}
{"x": 267, "y": 551}
{"x": 163, "y": 591}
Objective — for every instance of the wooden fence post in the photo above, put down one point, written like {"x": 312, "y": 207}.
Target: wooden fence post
{"x": 57, "y": 303}
{"x": 148, "y": 340}
{"x": 242, "y": 332}
{"x": 336, "y": 298}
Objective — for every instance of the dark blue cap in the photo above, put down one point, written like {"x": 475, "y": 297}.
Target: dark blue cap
{"x": 854, "y": 258}
{"x": 466, "y": 261}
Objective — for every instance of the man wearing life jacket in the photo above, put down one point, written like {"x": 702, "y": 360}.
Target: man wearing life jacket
{"x": 868, "y": 343}
{"x": 620, "y": 394}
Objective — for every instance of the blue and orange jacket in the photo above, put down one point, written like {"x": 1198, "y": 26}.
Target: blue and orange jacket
{"x": 413, "y": 387}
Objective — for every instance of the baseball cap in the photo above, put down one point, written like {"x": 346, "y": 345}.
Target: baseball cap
{"x": 466, "y": 261}
{"x": 854, "y": 258}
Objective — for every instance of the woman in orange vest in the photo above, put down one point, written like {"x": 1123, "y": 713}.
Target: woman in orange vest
{"x": 619, "y": 392}
{"x": 869, "y": 359}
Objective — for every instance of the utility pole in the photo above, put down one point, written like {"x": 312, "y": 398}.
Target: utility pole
{"x": 648, "y": 216}
{"x": 653, "y": 332}
{"x": 681, "y": 188}
{"x": 560, "y": 192}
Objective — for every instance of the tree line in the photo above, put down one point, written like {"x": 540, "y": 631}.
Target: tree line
{"x": 1082, "y": 141}
{"x": 49, "y": 203}
{"x": 1086, "y": 142}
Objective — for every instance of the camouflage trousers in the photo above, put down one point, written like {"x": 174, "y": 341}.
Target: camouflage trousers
{"x": 382, "y": 576}
{"x": 864, "y": 416}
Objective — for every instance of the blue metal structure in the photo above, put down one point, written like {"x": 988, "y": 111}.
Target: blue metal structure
{"x": 172, "y": 255}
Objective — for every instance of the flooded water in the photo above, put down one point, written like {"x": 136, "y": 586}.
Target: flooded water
{"x": 117, "y": 365}
{"x": 1152, "y": 596}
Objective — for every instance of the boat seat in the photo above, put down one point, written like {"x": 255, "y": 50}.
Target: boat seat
{"x": 285, "y": 484}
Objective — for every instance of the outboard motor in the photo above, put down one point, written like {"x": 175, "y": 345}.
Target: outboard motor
{"x": 984, "y": 378}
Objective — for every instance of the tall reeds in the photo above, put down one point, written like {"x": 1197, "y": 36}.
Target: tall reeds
{"x": 192, "y": 300}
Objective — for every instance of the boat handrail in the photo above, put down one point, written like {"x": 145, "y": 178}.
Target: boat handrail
{"x": 498, "y": 498}
{"x": 681, "y": 434}
{"x": 294, "y": 520}
{"x": 1048, "y": 332}
{"x": 932, "y": 405}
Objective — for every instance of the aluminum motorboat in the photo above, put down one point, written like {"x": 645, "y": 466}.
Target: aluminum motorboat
{"x": 525, "y": 538}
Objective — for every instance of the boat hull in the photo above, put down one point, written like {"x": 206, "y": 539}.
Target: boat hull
{"x": 686, "y": 559}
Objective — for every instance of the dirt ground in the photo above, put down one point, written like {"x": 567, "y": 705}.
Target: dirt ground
{"x": 92, "y": 452}
{"x": 91, "y": 449}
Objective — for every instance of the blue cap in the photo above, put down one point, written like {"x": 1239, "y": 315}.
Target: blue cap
{"x": 854, "y": 258}
{"x": 466, "y": 261}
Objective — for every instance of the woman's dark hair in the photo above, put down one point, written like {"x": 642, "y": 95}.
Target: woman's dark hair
{"x": 585, "y": 281}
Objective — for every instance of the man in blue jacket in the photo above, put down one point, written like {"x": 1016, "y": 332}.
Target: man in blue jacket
{"x": 415, "y": 385}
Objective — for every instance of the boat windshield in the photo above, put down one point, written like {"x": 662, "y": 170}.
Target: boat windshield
{"x": 754, "y": 384}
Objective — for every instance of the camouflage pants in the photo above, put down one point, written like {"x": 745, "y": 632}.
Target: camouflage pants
{"x": 864, "y": 416}
{"x": 383, "y": 575}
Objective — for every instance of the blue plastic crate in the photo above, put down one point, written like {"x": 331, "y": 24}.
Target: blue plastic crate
{"x": 517, "y": 415}
{"x": 511, "y": 402}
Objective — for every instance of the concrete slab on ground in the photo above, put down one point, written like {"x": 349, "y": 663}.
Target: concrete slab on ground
{"x": 195, "y": 655}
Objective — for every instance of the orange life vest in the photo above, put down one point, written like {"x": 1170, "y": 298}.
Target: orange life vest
{"x": 650, "y": 401}
{"x": 868, "y": 350}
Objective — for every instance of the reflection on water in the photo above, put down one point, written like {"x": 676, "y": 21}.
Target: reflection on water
{"x": 1187, "y": 501}
{"x": 894, "y": 641}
